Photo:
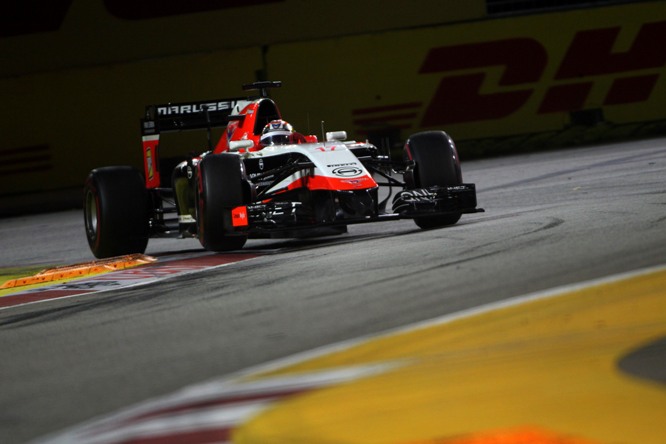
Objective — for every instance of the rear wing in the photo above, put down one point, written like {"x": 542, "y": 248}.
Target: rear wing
{"x": 185, "y": 116}
{"x": 189, "y": 116}
{"x": 199, "y": 115}
{"x": 206, "y": 114}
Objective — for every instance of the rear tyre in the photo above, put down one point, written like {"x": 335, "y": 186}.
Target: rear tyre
{"x": 115, "y": 211}
{"x": 436, "y": 164}
{"x": 220, "y": 189}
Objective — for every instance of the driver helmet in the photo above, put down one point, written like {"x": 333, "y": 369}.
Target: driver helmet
{"x": 276, "y": 132}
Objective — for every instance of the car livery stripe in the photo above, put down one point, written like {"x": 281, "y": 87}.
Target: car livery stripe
{"x": 333, "y": 183}
{"x": 336, "y": 168}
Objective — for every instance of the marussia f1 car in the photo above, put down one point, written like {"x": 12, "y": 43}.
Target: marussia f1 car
{"x": 244, "y": 188}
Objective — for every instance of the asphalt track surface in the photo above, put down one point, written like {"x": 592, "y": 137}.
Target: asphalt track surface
{"x": 551, "y": 219}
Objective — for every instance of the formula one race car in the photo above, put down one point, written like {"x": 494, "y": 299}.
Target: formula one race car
{"x": 262, "y": 179}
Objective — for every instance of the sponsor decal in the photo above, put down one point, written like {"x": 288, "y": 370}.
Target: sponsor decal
{"x": 533, "y": 76}
{"x": 150, "y": 156}
{"x": 342, "y": 164}
{"x": 347, "y": 171}
{"x": 356, "y": 183}
{"x": 149, "y": 162}
{"x": 589, "y": 56}
{"x": 418, "y": 195}
{"x": 239, "y": 217}
{"x": 191, "y": 108}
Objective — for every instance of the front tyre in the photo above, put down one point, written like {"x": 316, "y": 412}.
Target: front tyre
{"x": 220, "y": 189}
{"x": 115, "y": 211}
{"x": 436, "y": 164}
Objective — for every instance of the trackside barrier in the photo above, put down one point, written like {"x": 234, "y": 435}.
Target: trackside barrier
{"x": 496, "y": 85}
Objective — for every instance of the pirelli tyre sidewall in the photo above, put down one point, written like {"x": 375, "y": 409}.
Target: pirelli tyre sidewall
{"x": 220, "y": 188}
{"x": 115, "y": 209}
{"x": 436, "y": 163}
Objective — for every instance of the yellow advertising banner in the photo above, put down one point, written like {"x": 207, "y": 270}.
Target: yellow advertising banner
{"x": 497, "y": 85}
{"x": 56, "y": 127}
{"x": 550, "y": 79}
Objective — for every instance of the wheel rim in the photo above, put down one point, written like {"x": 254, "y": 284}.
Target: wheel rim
{"x": 91, "y": 215}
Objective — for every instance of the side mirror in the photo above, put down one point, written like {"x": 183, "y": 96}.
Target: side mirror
{"x": 235, "y": 145}
{"x": 336, "y": 135}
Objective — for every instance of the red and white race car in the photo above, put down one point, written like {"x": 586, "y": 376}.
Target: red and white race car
{"x": 261, "y": 179}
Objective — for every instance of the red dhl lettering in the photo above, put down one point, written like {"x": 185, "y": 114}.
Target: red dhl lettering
{"x": 589, "y": 56}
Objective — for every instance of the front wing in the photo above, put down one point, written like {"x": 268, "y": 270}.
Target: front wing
{"x": 436, "y": 200}
{"x": 407, "y": 204}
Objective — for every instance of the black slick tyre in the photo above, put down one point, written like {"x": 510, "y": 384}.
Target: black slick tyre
{"x": 115, "y": 211}
{"x": 436, "y": 164}
{"x": 220, "y": 189}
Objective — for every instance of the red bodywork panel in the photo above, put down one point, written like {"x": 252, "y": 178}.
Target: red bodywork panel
{"x": 257, "y": 115}
{"x": 151, "y": 160}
